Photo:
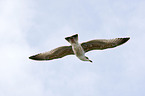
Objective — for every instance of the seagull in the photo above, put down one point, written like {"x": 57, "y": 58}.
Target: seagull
{"x": 79, "y": 49}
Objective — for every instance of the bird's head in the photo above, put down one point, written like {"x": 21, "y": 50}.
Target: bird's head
{"x": 87, "y": 59}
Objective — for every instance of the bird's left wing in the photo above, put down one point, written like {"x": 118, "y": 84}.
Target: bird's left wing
{"x": 54, "y": 54}
{"x": 100, "y": 44}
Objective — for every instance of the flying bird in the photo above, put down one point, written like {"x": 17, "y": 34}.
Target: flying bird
{"x": 79, "y": 49}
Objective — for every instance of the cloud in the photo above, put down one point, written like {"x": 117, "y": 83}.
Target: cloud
{"x": 28, "y": 27}
{"x": 14, "y": 50}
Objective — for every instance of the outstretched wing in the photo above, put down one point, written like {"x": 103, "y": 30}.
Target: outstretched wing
{"x": 101, "y": 44}
{"x": 54, "y": 54}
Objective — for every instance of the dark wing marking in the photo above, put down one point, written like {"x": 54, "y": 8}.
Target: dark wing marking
{"x": 101, "y": 44}
{"x": 54, "y": 54}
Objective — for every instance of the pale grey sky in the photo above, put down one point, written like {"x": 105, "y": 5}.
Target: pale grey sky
{"x": 29, "y": 27}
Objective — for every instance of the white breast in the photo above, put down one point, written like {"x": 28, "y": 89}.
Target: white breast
{"x": 78, "y": 50}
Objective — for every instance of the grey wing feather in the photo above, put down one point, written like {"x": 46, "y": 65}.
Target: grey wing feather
{"x": 54, "y": 54}
{"x": 101, "y": 44}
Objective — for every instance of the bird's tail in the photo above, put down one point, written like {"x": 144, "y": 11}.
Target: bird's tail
{"x": 72, "y": 37}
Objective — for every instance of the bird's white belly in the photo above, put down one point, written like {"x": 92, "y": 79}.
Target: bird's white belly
{"x": 78, "y": 50}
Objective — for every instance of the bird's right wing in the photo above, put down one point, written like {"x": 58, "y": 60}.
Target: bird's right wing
{"x": 54, "y": 54}
{"x": 100, "y": 44}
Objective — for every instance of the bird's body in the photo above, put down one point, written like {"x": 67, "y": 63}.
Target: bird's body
{"x": 79, "y": 49}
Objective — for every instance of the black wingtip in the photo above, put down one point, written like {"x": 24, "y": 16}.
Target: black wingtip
{"x": 125, "y": 39}
{"x": 34, "y": 57}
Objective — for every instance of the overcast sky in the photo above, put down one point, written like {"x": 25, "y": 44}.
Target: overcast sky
{"x": 28, "y": 27}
